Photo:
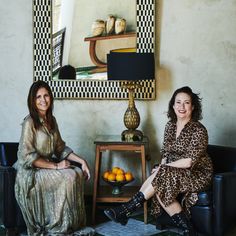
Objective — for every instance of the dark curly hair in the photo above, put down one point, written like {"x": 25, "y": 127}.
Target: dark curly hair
{"x": 32, "y": 104}
{"x": 196, "y": 103}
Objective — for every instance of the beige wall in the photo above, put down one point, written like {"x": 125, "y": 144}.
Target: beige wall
{"x": 195, "y": 46}
{"x": 85, "y": 13}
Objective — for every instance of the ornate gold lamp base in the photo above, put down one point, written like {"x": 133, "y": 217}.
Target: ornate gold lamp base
{"x": 132, "y": 135}
{"x": 131, "y": 116}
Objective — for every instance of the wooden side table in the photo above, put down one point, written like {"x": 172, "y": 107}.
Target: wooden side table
{"x": 114, "y": 143}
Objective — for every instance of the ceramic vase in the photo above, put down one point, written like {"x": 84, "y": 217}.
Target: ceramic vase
{"x": 110, "y": 24}
{"x": 120, "y": 26}
{"x": 98, "y": 27}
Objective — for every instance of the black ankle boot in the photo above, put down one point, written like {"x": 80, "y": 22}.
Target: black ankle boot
{"x": 163, "y": 220}
{"x": 121, "y": 213}
{"x": 181, "y": 221}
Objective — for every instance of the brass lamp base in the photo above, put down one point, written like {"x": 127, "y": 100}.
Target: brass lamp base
{"x": 131, "y": 116}
{"x": 131, "y": 135}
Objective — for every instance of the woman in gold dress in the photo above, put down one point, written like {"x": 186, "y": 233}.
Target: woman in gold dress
{"x": 48, "y": 189}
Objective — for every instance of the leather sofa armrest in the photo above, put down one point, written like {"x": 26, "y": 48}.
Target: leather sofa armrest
{"x": 7, "y": 202}
{"x": 224, "y": 195}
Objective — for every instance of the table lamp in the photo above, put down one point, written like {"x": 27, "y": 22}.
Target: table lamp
{"x": 130, "y": 67}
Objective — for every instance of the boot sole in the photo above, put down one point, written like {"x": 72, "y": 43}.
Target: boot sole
{"x": 114, "y": 219}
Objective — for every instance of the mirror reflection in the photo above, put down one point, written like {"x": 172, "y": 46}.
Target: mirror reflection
{"x": 84, "y": 31}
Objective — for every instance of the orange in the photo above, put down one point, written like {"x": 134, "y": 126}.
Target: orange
{"x": 120, "y": 177}
{"x": 111, "y": 177}
{"x": 128, "y": 176}
{"x": 105, "y": 174}
{"x": 120, "y": 171}
{"x": 115, "y": 169}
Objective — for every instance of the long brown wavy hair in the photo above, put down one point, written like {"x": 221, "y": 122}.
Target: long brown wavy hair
{"x": 32, "y": 104}
{"x": 196, "y": 103}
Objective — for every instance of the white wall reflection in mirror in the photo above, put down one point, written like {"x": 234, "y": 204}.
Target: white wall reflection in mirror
{"x": 78, "y": 19}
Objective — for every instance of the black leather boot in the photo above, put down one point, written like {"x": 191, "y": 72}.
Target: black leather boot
{"x": 121, "y": 213}
{"x": 163, "y": 220}
{"x": 181, "y": 221}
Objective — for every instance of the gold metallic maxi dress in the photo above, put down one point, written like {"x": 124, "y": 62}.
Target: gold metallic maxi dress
{"x": 52, "y": 201}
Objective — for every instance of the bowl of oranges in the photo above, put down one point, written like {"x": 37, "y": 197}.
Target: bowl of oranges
{"x": 117, "y": 178}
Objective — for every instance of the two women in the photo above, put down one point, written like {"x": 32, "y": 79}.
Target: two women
{"x": 185, "y": 167}
{"x": 50, "y": 192}
{"x": 48, "y": 189}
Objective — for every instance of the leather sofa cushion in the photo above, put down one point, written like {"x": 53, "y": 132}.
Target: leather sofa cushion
{"x": 204, "y": 198}
{"x": 8, "y": 153}
{"x": 223, "y": 158}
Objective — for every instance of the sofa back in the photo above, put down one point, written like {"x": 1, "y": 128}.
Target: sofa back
{"x": 8, "y": 153}
{"x": 223, "y": 158}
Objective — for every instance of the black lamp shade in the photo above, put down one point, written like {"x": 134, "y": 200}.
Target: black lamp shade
{"x": 130, "y": 66}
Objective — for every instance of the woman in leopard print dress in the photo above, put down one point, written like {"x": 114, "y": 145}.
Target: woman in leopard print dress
{"x": 185, "y": 167}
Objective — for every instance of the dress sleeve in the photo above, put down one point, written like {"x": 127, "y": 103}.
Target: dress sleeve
{"x": 164, "y": 152}
{"x": 198, "y": 145}
{"x": 61, "y": 150}
{"x": 27, "y": 153}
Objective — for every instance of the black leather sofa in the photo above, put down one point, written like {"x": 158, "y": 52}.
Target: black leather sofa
{"x": 215, "y": 212}
{"x": 10, "y": 215}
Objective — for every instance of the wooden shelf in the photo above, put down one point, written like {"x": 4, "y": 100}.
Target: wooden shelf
{"x": 112, "y": 36}
{"x": 92, "y": 45}
{"x": 104, "y": 194}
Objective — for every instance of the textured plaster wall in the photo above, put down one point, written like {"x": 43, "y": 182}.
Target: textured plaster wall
{"x": 198, "y": 48}
{"x": 195, "y": 46}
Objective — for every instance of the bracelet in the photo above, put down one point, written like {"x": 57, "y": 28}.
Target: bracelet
{"x": 156, "y": 166}
{"x": 56, "y": 165}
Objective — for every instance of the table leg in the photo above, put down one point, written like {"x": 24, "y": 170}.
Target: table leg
{"x": 143, "y": 179}
{"x": 95, "y": 185}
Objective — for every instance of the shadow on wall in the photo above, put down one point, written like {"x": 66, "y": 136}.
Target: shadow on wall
{"x": 227, "y": 137}
{"x": 164, "y": 84}
{"x": 158, "y": 10}
{"x": 163, "y": 74}
{"x": 148, "y": 128}
{"x": 164, "y": 81}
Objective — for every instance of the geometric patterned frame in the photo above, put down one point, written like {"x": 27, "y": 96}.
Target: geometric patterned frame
{"x": 89, "y": 89}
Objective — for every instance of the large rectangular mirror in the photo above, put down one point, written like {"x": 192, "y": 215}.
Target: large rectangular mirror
{"x": 63, "y": 37}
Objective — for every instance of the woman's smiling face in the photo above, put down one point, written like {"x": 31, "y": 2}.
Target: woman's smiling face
{"x": 42, "y": 101}
{"x": 183, "y": 106}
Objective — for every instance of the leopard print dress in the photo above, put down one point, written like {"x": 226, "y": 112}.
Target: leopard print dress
{"x": 169, "y": 182}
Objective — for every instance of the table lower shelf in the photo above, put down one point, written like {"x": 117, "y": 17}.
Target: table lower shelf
{"x": 104, "y": 194}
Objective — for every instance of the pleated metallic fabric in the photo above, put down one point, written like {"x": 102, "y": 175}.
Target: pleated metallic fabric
{"x": 52, "y": 201}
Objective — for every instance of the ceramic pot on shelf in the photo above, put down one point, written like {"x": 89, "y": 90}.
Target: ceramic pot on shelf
{"x": 120, "y": 26}
{"x": 98, "y": 27}
{"x": 110, "y": 24}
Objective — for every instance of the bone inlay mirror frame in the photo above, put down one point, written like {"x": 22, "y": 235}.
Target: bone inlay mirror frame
{"x": 89, "y": 89}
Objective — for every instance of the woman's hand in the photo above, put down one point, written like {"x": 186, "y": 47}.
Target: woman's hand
{"x": 155, "y": 168}
{"x": 163, "y": 161}
{"x": 183, "y": 163}
{"x": 63, "y": 165}
{"x": 84, "y": 166}
{"x": 44, "y": 164}
{"x": 85, "y": 170}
